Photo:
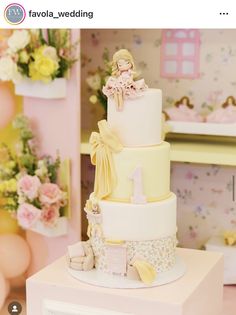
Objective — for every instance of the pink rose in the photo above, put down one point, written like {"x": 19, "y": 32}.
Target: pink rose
{"x": 50, "y": 214}
{"x": 50, "y": 193}
{"x": 29, "y": 186}
{"x": 27, "y": 215}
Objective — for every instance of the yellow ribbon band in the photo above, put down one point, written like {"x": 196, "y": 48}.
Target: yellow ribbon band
{"x": 103, "y": 145}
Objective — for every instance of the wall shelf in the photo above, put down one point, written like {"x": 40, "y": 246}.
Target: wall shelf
{"x": 205, "y": 153}
{"x": 220, "y": 153}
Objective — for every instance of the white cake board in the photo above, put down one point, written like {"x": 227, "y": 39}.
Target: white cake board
{"x": 102, "y": 279}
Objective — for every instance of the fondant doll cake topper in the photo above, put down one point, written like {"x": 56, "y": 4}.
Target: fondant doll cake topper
{"x": 122, "y": 83}
{"x": 225, "y": 114}
{"x": 183, "y": 111}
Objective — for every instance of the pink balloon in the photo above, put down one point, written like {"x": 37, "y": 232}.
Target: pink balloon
{"x": 3, "y": 290}
{"x": 15, "y": 255}
{"x": 7, "y": 105}
{"x": 17, "y": 282}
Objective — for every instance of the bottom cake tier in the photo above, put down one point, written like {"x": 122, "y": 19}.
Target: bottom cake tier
{"x": 133, "y": 240}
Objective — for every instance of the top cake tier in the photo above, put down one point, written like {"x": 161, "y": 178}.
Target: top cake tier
{"x": 139, "y": 123}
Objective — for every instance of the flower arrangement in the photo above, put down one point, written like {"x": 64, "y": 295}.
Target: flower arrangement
{"x": 28, "y": 187}
{"x": 30, "y": 55}
{"x": 97, "y": 79}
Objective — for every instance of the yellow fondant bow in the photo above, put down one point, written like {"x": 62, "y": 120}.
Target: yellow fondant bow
{"x": 103, "y": 145}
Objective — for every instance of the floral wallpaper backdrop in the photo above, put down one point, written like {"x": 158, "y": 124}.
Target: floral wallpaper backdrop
{"x": 205, "y": 205}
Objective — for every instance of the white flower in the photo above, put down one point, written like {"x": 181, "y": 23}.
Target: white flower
{"x": 41, "y": 172}
{"x": 19, "y": 148}
{"x": 34, "y": 31}
{"x": 94, "y": 81}
{"x": 18, "y": 40}
{"x": 41, "y": 163}
{"x": 51, "y": 53}
{"x": 21, "y": 199}
{"x": 8, "y": 70}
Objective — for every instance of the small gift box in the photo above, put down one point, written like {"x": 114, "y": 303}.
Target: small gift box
{"x": 217, "y": 244}
{"x": 55, "y": 89}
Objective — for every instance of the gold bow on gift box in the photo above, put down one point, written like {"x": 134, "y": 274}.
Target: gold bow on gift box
{"x": 103, "y": 145}
{"x": 230, "y": 238}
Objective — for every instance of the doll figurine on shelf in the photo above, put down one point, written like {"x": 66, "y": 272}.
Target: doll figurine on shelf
{"x": 122, "y": 82}
{"x": 225, "y": 114}
{"x": 183, "y": 111}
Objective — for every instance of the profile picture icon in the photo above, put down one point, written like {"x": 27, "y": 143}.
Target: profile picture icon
{"x": 14, "y": 308}
{"x": 14, "y": 13}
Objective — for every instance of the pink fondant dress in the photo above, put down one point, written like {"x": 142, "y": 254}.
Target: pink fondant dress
{"x": 183, "y": 113}
{"x": 223, "y": 115}
{"x": 124, "y": 84}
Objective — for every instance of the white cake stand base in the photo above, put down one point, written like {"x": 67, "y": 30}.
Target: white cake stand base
{"x": 102, "y": 279}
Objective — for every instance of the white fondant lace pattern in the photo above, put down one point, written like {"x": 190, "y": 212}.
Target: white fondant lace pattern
{"x": 160, "y": 253}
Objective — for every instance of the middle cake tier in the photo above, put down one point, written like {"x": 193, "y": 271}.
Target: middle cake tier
{"x": 150, "y": 166}
{"x": 138, "y": 222}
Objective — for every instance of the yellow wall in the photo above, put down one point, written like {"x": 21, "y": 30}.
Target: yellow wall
{"x": 8, "y": 135}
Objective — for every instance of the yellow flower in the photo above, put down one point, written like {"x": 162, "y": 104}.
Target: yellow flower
{"x": 93, "y": 99}
{"x": 8, "y": 186}
{"x": 4, "y": 155}
{"x": 11, "y": 202}
{"x": 6, "y": 169}
{"x": 43, "y": 67}
{"x": 23, "y": 56}
{"x": 12, "y": 185}
{"x": 10, "y": 164}
{"x": 2, "y": 187}
{"x": 94, "y": 81}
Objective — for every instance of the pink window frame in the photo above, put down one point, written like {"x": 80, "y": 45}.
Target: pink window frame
{"x": 179, "y": 57}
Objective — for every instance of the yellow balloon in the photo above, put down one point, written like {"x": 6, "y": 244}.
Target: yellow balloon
{"x": 8, "y": 225}
{"x": 7, "y": 105}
